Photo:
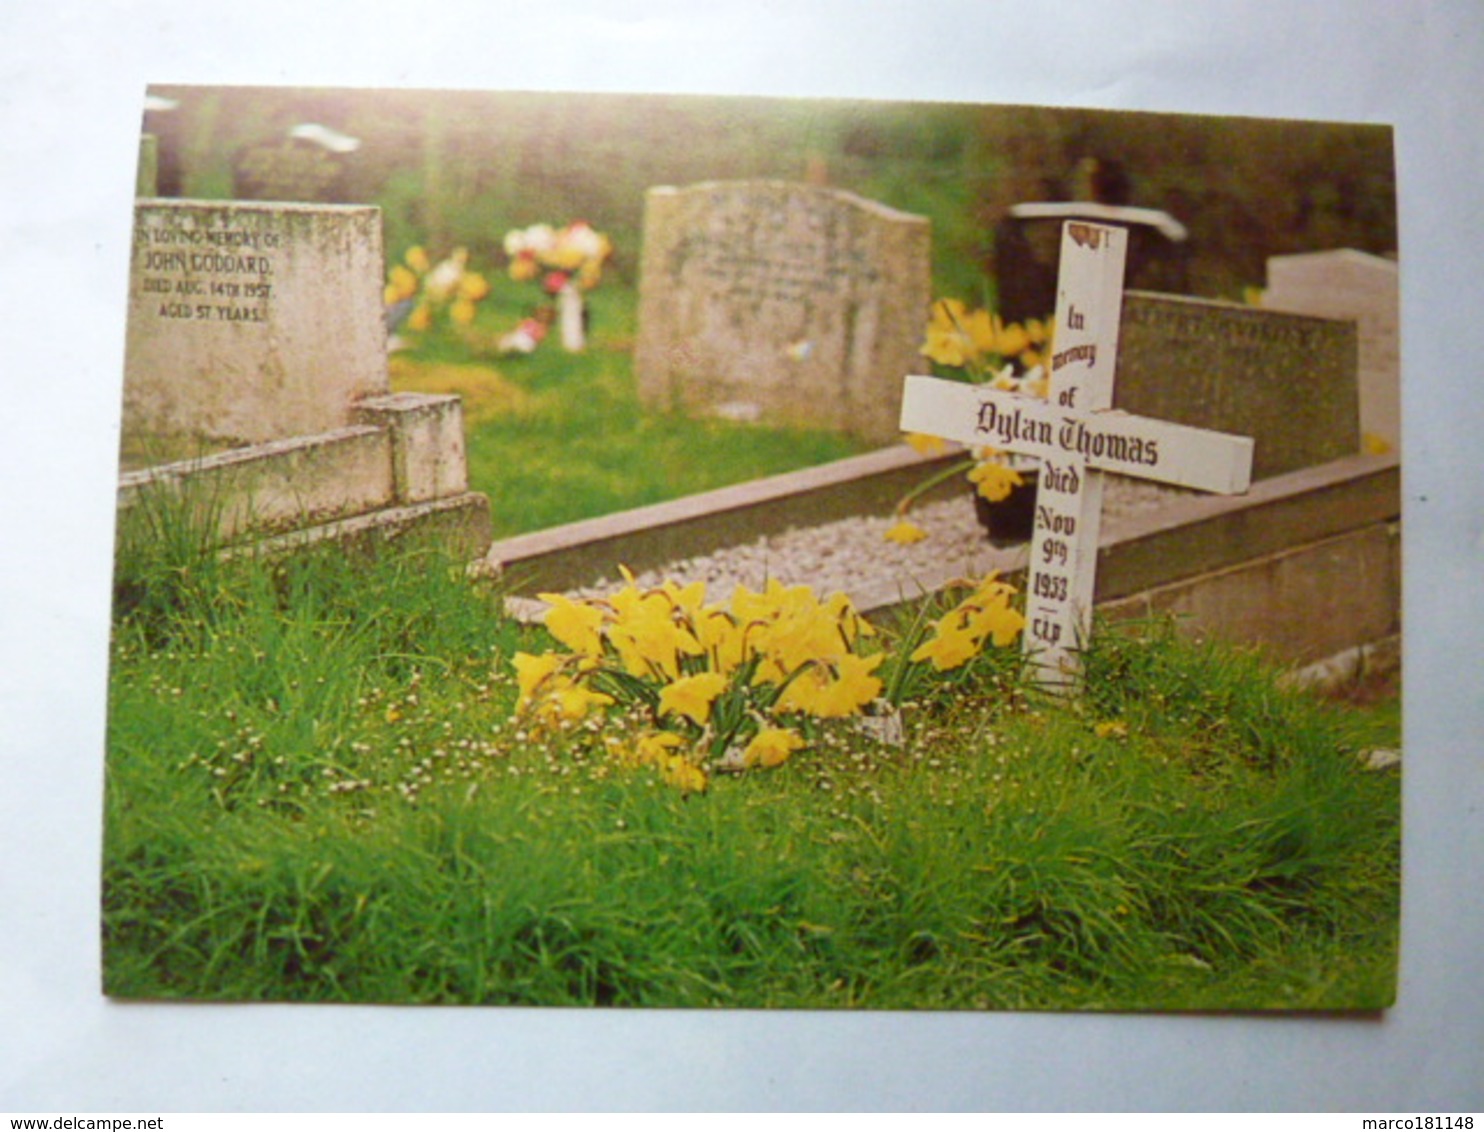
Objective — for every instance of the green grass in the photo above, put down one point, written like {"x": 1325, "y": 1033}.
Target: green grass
{"x": 315, "y": 793}
{"x": 555, "y": 437}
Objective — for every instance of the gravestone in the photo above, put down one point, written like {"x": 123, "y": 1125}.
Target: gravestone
{"x": 249, "y": 323}
{"x": 1288, "y": 380}
{"x": 1348, "y": 284}
{"x": 785, "y": 302}
{"x": 1076, "y": 438}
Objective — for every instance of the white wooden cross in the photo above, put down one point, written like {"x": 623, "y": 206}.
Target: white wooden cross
{"x": 1077, "y": 437}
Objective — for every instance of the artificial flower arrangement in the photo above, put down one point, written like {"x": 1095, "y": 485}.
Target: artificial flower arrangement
{"x": 976, "y": 346}
{"x": 557, "y": 257}
{"x": 566, "y": 263}
{"x": 692, "y": 688}
{"x": 419, "y": 293}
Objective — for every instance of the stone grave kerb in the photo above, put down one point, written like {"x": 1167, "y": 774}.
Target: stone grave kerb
{"x": 1077, "y": 437}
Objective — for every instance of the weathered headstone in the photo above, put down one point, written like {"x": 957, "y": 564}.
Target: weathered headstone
{"x": 1076, "y": 438}
{"x": 249, "y": 323}
{"x": 804, "y": 303}
{"x": 1348, "y": 284}
{"x": 1288, "y": 380}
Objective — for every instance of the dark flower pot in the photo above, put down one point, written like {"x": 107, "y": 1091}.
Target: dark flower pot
{"x": 1013, "y": 518}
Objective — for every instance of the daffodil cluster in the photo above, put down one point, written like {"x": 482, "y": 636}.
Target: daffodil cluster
{"x": 702, "y": 687}
{"x": 983, "y": 346}
{"x": 984, "y": 616}
{"x": 429, "y": 291}
{"x": 705, "y": 686}
{"x": 558, "y": 256}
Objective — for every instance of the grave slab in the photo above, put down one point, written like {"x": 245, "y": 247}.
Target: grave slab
{"x": 792, "y": 303}
{"x": 272, "y": 486}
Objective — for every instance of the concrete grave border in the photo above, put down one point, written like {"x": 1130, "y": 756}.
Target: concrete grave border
{"x": 1251, "y": 568}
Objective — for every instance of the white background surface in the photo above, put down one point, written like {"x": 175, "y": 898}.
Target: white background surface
{"x": 73, "y": 76}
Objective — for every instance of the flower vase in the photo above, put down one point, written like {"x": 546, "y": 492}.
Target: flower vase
{"x": 573, "y": 319}
{"x": 1012, "y": 519}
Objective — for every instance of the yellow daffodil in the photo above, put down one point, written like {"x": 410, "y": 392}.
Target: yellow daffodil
{"x": 645, "y": 631}
{"x": 689, "y": 600}
{"x": 853, "y": 688}
{"x": 650, "y": 749}
{"x": 951, "y": 644}
{"x": 576, "y": 624}
{"x": 550, "y": 693}
{"x": 959, "y": 635}
{"x": 572, "y": 703}
{"x": 400, "y": 284}
{"x": 683, "y": 774}
{"x": 924, "y": 444}
{"x": 850, "y": 623}
{"x": 564, "y": 257}
{"x": 947, "y": 342}
{"x": 992, "y": 590}
{"x": 649, "y": 642}
{"x": 417, "y": 259}
{"x": 808, "y": 635}
{"x": 1011, "y": 340}
{"x": 788, "y": 627}
{"x": 461, "y": 311}
{"x": 473, "y": 286}
{"x": 776, "y": 600}
{"x": 723, "y": 640}
{"x": 771, "y": 747}
{"x": 692, "y": 696}
{"x": 996, "y": 622}
{"x": 977, "y": 341}
{"x": 831, "y": 691}
{"x": 906, "y": 533}
{"x": 994, "y": 480}
{"x": 533, "y": 670}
